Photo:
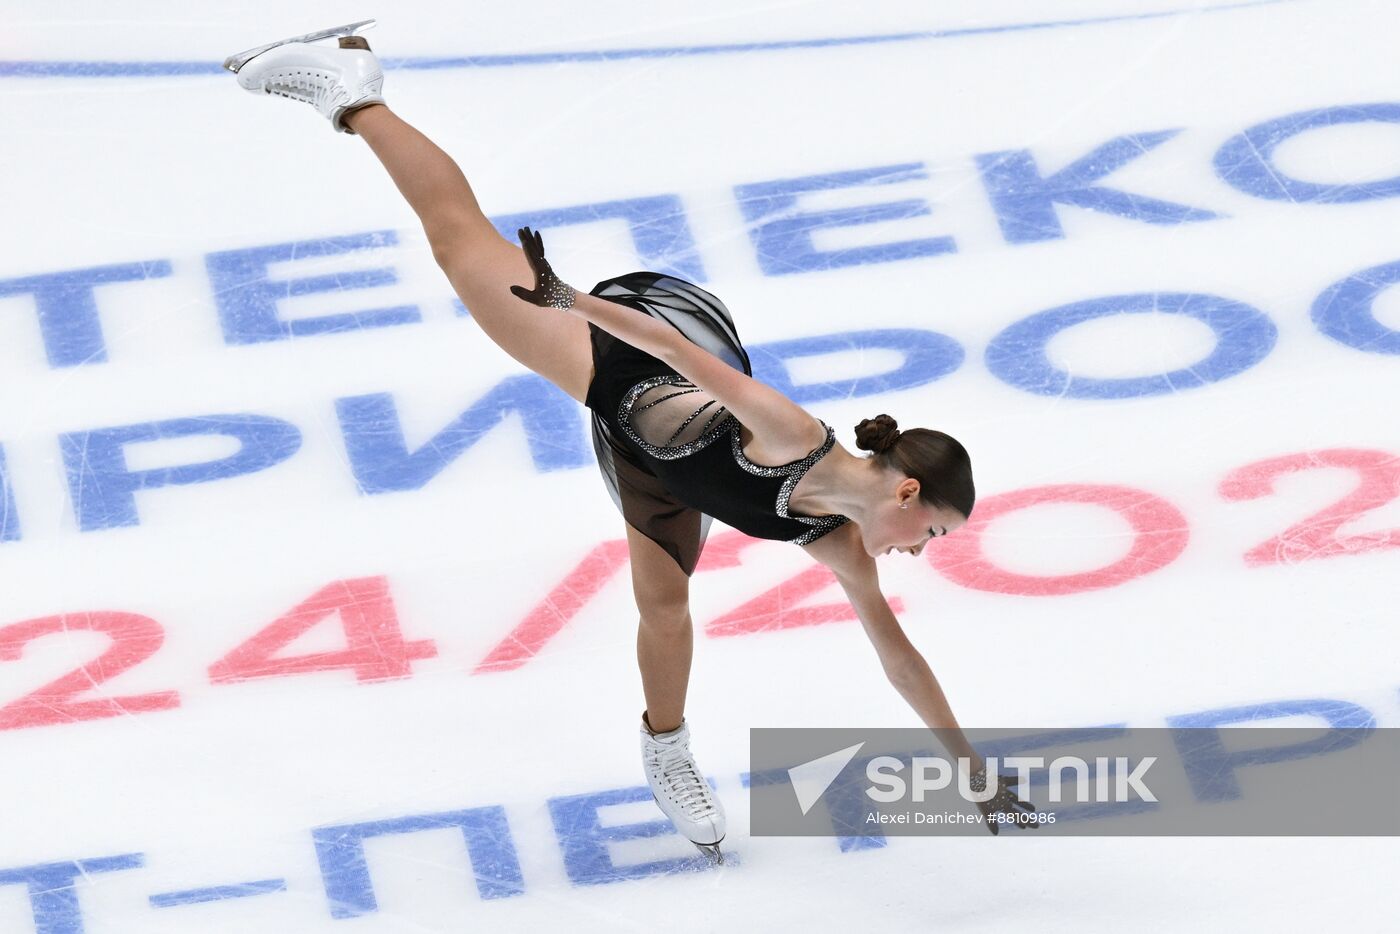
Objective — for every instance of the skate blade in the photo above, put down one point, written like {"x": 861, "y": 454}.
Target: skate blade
{"x": 238, "y": 60}
{"x": 711, "y": 851}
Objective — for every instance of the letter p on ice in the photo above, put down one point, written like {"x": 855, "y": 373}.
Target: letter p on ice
{"x": 104, "y": 488}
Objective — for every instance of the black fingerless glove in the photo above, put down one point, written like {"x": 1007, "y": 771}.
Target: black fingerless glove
{"x": 550, "y": 291}
{"x": 1005, "y": 801}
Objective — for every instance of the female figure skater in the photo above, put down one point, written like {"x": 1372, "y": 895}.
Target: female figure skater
{"x": 682, "y": 431}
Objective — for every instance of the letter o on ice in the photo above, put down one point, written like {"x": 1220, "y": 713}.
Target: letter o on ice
{"x": 1243, "y": 334}
{"x": 1160, "y": 534}
{"x": 1346, "y": 311}
{"x": 1246, "y": 161}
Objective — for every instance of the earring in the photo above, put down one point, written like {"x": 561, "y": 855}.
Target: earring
{"x": 903, "y": 505}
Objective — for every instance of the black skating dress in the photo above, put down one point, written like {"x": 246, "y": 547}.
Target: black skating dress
{"x": 670, "y": 454}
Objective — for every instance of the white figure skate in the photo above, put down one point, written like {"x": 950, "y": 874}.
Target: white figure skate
{"x": 336, "y": 81}
{"x": 681, "y": 791}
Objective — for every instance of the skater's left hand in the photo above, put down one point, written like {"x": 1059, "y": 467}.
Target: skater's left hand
{"x": 550, "y": 291}
{"x": 1004, "y": 801}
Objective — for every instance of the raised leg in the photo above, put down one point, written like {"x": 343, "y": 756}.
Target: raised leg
{"x": 665, "y": 634}
{"x": 480, "y": 263}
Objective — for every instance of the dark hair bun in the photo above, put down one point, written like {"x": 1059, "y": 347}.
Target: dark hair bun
{"x": 877, "y": 434}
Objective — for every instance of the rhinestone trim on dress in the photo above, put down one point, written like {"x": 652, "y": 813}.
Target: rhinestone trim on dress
{"x": 794, "y": 472}
{"x": 673, "y": 452}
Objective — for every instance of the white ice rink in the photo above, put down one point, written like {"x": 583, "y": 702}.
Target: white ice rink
{"x": 315, "y": 614}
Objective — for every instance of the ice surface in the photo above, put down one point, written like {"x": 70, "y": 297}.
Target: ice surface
{"x": 856, "y": 182}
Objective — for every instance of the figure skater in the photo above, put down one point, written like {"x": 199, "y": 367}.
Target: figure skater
{"x": 681, "y": 429}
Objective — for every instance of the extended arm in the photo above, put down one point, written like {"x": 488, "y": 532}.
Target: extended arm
{"x": 782, "y": 423}
{"x": 842, "y": 552}
{"x": 904, "y": 665}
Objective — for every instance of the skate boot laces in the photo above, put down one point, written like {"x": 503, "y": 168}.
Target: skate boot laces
{"x": 321, "y": 89}
{"x": 683, "y": 782}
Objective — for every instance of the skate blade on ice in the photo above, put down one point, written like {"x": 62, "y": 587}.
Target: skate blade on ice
{"x": 237, "y": 61}
{"x": 711, "y": 851}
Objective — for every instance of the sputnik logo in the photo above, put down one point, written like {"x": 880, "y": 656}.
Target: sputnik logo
{"x": 810, "y": 780}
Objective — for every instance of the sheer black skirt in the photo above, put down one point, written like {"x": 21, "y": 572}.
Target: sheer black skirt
{"x": 639, "y": 494}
